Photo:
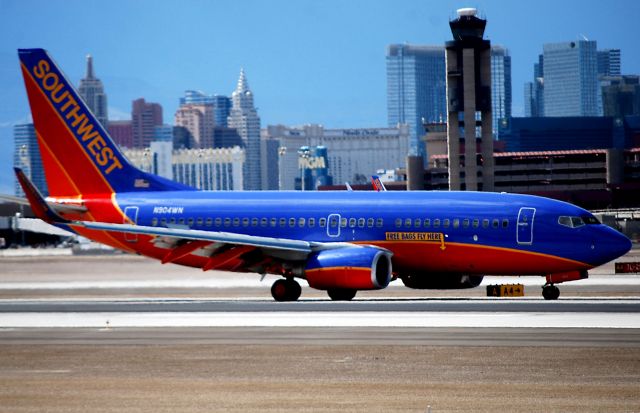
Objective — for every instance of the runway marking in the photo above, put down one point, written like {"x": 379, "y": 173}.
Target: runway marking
{"x": 321, "y": 319}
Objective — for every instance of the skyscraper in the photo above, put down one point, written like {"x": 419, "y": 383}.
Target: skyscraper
{"x": 244, "y": 118}
{"x": 26, "y": 156}
{"x": 145, "y": 116}
{"x": 500, "y": 85}
{"x": 221, "y": 104}
{"x": 609, "y": 62}
{"x": 92, "y": 92}
{"x": 198, "y": 119}
{"x": 415, "y": 89}
{"x": 571, "y": 78}
{"x": 534, "y": 91}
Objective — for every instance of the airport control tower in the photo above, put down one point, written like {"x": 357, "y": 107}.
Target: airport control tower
{"x": 468, "y": 62}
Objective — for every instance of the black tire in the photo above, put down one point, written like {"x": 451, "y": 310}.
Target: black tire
{"x": 279, "y": 290}
{"x": 550, "y": 292}
{"x": 341, "y": 294}
{"x": 285, "y": 290}
{"x": 294, "y": 290}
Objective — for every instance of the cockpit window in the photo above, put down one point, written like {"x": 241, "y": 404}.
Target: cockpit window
{"x": 571, "y": 222}
{"x": 590, "y": 220}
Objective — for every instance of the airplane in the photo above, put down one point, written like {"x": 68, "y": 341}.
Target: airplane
{"x": 338, "y": 241}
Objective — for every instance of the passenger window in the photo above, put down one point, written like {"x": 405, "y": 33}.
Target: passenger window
{"x": 172, "y": 221}
{"x": 417, "y": 222}
{"x": 456, "y": 223}
{"x": 163, "y": 222}
{"x": 209, "y": 222}
{"x": 190, "y": 222}
{"x": 407, "y": 223}
{"x": 398, "y": 222}
{"x": 352, "y": 222}
{"x": 436, "y": 223}
{"x": 227, "y": 222}
{"x": 245, "y": 222}
{"x": 263, "y": 222}
{"x": 495, "y": 223}
{"x": 370, "y": 222}
{"x": 361, "y": 222}
{"x": 465, "y": 223}
{"x": 322, "y": 222}
{"x": 476, "y": 223}
{"x": 312, "y": 222}
{"x": 379, "y": 222}
{"x": 445, "y": 223}
{"x": 273, "y": 222}
{"x": 181, "y": 221}
{"x": 236, "y": 222}
{"x": 485, "y": 223}
{"x": 301, "y": 222}
{"x": 254, "y": 222}
{"x": 343, "y": 223}
{"x": 505, "y": 223}
{"x": 217, "y": 222}
{"x": 292, "y": 222}
{"x": 200, "y": 221}
{"x": 154, "y": 222}
{"x": 427, "y": 222}
{"x": 283, "y": 222}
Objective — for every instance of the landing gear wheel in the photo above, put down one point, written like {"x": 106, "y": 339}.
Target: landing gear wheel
{"x": 286, "y": 290}
{"x": 550, "y": 292}
{"x": 341, "y": 294}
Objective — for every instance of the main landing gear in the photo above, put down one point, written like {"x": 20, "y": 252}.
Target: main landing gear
{"x": 341, "y": 294}
{"x": 286, "y": 289}
{"x": 550, "y": 292}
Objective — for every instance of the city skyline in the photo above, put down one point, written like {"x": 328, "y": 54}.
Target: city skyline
{"x": 308, "y": 62}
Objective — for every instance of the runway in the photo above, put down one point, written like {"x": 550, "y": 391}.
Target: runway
{"x": 127, "y": 334}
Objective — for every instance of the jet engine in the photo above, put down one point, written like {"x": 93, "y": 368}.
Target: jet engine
{"x": 349, "y": 268}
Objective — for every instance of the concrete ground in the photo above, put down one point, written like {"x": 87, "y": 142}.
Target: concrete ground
{"x": 142, "y": 371}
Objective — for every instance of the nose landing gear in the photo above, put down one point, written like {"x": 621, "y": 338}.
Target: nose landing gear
{"x": 550, "y": 292}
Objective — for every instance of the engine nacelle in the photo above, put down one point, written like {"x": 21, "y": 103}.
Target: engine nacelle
{"x": 354, "y": 268}
{"x": 441, "y": 281}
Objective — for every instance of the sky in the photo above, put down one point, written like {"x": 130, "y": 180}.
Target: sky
{"x": 306, "y": 61}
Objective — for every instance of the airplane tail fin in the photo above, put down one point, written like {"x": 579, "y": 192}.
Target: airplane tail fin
{"x": 377, "y": 183}
{"x": 78, "y": 155}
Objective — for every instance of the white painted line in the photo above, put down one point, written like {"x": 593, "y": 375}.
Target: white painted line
{"x": 322, "y": 319}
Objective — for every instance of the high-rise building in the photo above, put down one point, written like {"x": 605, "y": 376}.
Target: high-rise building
{"x": 500, "y": 85}
{"x": 121, "y": 131}
{"x": 571, "y": 78}
{"x": 27, "y": 157}
{"x": 221, "y": 104}
{"x": 534, "y": 91}
{"x": 92, "y": 92}
{"x": 145, "y": 116}
{"x": 609, "y": 62}
{"x": 621, "y": 96}
{"x": 469, "y": 106}
{"x": 199, "y": 120}
{"x": 244, "y": 118}
{"x": 415, "y": 89}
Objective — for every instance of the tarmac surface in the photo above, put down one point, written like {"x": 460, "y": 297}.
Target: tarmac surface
{"x": 147, "y": 337}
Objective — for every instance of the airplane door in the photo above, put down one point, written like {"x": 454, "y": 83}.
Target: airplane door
{"x": 525, "y": 226}
{"x": 131, "y": 217}
{"x": 333, "y": 225}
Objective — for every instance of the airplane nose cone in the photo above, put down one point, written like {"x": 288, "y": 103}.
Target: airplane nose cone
{"x": 612, "y": 245}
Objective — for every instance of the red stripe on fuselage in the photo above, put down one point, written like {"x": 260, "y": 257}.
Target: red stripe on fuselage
{"x": 473, "y": 259}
